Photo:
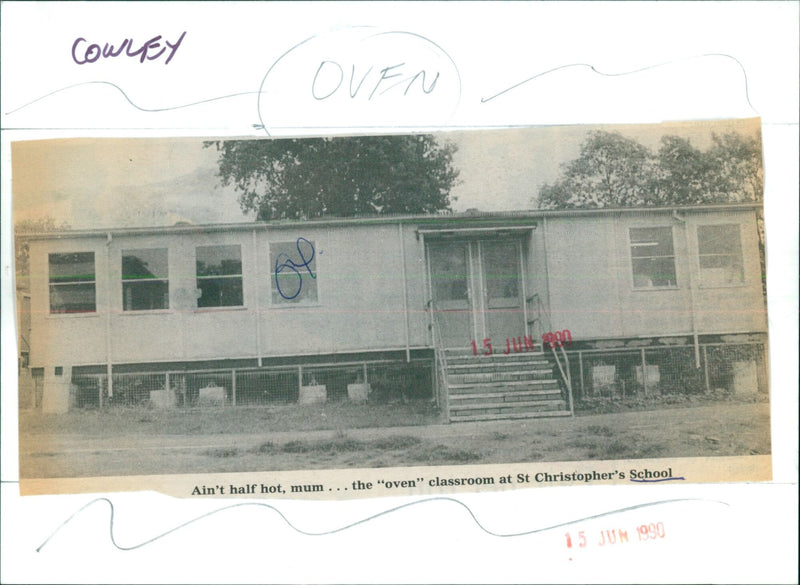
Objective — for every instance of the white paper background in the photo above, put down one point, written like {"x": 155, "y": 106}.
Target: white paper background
{"x": 228, "y": 49}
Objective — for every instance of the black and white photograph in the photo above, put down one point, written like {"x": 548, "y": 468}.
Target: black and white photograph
{"x": 544, "y": 295}
{"x": 399, "y": 292}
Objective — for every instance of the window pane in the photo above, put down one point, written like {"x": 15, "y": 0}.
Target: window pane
{"x": 294, "y": 271}
{"x": 501, "y": 268}
{"x": 720, "y": 252}
{"x": 449, "y": 272}
{"x": 652, "y": 272}
{"x": 220, "y": 292}
{"x": 718, "y": 239}
{"x": 651, "y": 242}
{"x": 145, "y": 295}
{"x": 72, "y": 287}
{"x": 720, "y": 261}
{"x": 72, "y": 298}
{"x": 77, "y": 267}
{"x": 143, "y": 264}
{"x": 652, "y": 257}
{"x": 219, "y": 260}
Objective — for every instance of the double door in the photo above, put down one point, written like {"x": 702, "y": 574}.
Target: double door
{"x": 477, "y": 289}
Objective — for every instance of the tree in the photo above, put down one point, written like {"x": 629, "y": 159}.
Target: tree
{"x": 311, "y": 177}
{"x": 737, "y": 163}
{"x": 21, "y": 248}
{"x": 612, "y": 170}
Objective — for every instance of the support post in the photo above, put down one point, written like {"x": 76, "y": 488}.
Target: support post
{"x": 644, "y": 373}
{"x": 705, "y": 369}
{"x": 233, "y": 387}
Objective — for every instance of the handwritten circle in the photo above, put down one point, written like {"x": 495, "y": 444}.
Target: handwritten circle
{"x": 359, "y": 77}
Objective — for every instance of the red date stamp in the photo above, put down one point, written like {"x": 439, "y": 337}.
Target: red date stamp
{"x": 524, "y": 343}
{"x": 615, "y": 536}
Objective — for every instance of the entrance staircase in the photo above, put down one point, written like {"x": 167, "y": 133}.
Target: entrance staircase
{"x": 499, "y": 386}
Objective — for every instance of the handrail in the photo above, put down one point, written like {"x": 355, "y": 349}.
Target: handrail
{"x": 540, "y": 314}
{"x": 568, "y": 380}
{"x": 440, "y": 357}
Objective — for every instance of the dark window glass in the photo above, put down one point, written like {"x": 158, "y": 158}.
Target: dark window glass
{"x": 501, "y": 270}
{"x": 72, "y": 283}
{"x": 219, "y": 276}
{"x": 145, "y": 283}
{"x": 652, "y": 257}
{"x": 720, "y": 254}
{"x": 449, "y": 275}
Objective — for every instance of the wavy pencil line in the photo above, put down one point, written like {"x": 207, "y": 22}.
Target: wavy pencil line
{"x": 128, "y": 99}
{"x": 358, "y": 522}
{"x": 631, "y": 72}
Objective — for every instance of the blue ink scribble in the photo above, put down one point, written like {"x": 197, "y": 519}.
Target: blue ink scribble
{"x": 658, "y": 480}
{"x": 282, "y": 265}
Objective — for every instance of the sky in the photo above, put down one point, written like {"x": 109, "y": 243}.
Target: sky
{"x": 106, "y": 183}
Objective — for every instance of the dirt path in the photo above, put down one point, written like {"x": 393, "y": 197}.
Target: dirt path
{"x": 719, "y": 429}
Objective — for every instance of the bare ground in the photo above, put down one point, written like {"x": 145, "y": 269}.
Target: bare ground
{"x": 133, "y": 442}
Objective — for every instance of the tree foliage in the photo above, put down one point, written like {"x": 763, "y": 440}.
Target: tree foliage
{"x": 21, "y": 247}
{"x": 611, "y": 171}
{"x": 311, "y": 177}
{"x": 616, "y": 171}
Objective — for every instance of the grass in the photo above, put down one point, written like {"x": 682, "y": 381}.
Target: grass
{"x": 126, "y": 441}
{"x": 216, "y": 421}
{"x": 343, "y": 444}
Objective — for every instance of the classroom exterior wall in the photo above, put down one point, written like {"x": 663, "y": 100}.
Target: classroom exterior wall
{"x": 591, "y": 290}
{"x": 361, "y": 304}
{"x": 373, "y": 292}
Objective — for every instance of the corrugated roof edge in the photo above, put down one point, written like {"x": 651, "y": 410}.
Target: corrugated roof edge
{"x": 423, "y": 219}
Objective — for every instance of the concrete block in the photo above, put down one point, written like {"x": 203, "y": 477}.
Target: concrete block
{"x": 162, "y": 399}
{"x": 358, "y": 392}
{"x": 312, "y": 394}
{"x": 745, "y": 378}
{"x": 211, "y": 396}
{"x": 57, "y": 391}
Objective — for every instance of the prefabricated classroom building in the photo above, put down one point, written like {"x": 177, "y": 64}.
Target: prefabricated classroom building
{"x": 645, "y": 299}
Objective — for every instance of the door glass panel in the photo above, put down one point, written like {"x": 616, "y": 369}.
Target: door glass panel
{"x": 449, "y": 275}
{"x": 504, "y": 315}
{"x": 449, "y": 272}
{"x": 501, "y": 272}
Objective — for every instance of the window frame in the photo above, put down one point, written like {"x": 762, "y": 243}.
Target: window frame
{"x": 210, "y": 277}
{"x": 125, "y": 281}
{"x": 632, "y": 258}
{"x": 53, "y": 286}
{"x": 703, "y": 283}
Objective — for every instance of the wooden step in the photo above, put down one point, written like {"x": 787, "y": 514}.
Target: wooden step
{"x": 487, "y": 365}
{"x": 511, "y": 384}
{"x": 463, "y": 381}
{"x": 500, "y": 387}
{"x": 505, "y": 396}
{"x": 510, "y": 416}
{"x": 496, "y": 357}
{"x": 495, "y": 404}
{"x": 496, "y": 377}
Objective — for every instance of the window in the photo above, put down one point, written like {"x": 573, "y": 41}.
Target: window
{"x": 219, "y": 276}
{"x": 294, "y": 271}
{"x": 720, "y": 251}
{"x": 652, "y": 257}
{"x": 145, "y": 284}
{"x": 72, "y": 283}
